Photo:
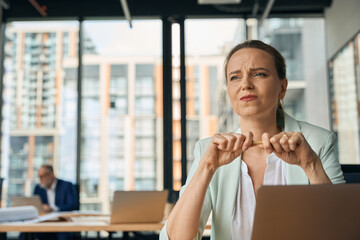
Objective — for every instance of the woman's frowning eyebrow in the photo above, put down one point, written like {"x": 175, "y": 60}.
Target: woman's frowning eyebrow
{"x": 251, "y": 70}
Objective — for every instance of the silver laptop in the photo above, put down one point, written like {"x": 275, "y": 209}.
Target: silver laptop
{"x": 138, "y": 206}
{"x": 27, "y": 201}
{"x": 317, "y": 212}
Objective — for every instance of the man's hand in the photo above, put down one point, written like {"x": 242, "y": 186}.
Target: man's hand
{"x": 47, "y": 208}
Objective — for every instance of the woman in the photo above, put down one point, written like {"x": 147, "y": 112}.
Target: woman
{"x": 230, "y": 167}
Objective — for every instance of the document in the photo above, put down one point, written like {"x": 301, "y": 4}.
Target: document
{"x": 25, "y": 214}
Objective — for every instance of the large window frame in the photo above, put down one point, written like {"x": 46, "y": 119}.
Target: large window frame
{"x": 344, "y": 76}
{"x": 167, "y": 99}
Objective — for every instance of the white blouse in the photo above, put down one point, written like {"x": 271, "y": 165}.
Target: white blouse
{"x": 275, "y": 174}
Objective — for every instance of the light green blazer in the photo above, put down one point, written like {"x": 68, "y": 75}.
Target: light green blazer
{"x": 221, "y": 194}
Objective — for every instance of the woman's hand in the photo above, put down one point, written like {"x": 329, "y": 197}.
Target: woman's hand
{"x": 293, "y": 148}
{"x": 225, "y": 147}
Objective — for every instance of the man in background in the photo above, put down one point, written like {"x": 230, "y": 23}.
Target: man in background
{"x": 55, "y": 194}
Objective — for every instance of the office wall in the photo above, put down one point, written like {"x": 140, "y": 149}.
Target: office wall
{"x": 315, "y": 69}
{"x": 342, "y": 23}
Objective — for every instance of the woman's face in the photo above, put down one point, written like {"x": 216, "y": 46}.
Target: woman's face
{"x": 253, "y": 84}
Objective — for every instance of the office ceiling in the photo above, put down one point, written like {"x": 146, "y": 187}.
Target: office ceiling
{"x": 55, "y": 9}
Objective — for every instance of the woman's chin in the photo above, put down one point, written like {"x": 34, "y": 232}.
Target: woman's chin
{"x": 249, "y": 113}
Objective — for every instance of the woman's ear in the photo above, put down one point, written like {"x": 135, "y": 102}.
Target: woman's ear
{"x": 284, "y": 83}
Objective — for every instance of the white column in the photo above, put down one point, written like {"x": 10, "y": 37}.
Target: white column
{"x": 104, "y": 139}
{"x": 129, "y": 133}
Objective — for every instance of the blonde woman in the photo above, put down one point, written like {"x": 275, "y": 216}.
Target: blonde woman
{"x": 271, "y": 148}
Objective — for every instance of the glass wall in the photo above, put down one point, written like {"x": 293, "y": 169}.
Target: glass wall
{"x": 121, "y": 110}
{"x": 122, "y": 114}
{"x": 344, "y": 75}
{"x": 36, "y": 111}
{"x": 122, "y": 82}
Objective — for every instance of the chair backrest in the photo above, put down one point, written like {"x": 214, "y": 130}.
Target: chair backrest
{"x": 351, "y": 173}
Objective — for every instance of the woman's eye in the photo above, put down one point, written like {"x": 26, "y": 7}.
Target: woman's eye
{"x": 260, "y": 74}
{"x": 234, "y": 78}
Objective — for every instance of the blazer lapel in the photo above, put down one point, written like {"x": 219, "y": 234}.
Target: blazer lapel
{"x": 226, "y": 191}
{"x": 57, "y": 192}
{"x": 44, "y": 195}
{"x": 233, "y": 182}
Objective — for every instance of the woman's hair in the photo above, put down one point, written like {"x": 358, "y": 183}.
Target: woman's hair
{"x": 280, "y": 66}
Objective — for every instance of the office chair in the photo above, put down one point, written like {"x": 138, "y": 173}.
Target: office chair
{"x": 351, "y": 172}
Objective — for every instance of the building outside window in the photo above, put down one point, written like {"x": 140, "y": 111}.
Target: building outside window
{"x": 127, "y": 87}
{"x": 40, "y": 108}
{"x": 33, "y": 99}
{"x": 122, "y": 113}
{"x": 344, "y": 69}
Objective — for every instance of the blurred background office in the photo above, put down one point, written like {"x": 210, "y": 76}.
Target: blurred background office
{"x": 118, "y": 104}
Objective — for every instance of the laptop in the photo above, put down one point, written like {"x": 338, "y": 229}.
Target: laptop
{"x": 138, "y": 206}
{"x": 27, "y": 201}
{"x": 308, "y": 212}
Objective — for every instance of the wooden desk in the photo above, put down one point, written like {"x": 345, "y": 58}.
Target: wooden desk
{"x": 77, "y": 227}
{"x": 80, "y": 224}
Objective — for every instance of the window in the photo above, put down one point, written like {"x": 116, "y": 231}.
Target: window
{"x": 39, "y": 110}
{"x": 144, "y": 127}
{"x": 121, "y": 110}
{"x": 91, "y": 81}
{"x": 344, "y": 93}
{"x": 144, "y": 105}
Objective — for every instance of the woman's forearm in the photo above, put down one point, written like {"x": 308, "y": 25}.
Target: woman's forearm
{"x": 316, "y": 173}
{"x": 184, "y": 220}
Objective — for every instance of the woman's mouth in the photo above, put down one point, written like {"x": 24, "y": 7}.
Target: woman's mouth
{"x": 248, "y": 98}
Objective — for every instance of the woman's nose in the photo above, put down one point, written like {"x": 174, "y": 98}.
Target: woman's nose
{"x": 246, "y": 82}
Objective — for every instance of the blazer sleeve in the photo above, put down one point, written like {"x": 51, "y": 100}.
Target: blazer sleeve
{"x": 330, "y": 161}
{"x": 42, "y": 193}
{"x": 37, "y": 190}
{"x": 207, "y": 206}
{"x": 68, "y": 200}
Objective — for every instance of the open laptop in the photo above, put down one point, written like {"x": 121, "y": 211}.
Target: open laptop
{"x": 308, "y": 212}
{"x": 138, "y": 206}
{"x": 27, "y": 201}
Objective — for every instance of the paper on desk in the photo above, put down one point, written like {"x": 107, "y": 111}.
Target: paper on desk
{"x": 18, "y": 213}
{"x": 86, "y": 219}
{"x": 25, "y": 214}
{"x": 48, "y": 217}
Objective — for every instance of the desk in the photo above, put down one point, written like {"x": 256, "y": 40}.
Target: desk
{"x": 74, "y": 227}
{"x": 80, "y": 224}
